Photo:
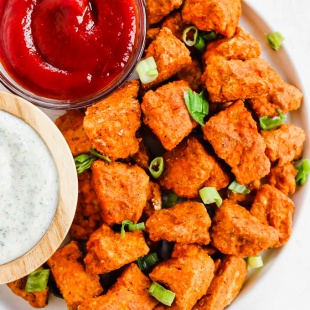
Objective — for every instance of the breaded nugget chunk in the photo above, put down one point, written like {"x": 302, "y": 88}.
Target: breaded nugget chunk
{"x": 228, "y": 80}
{"x": 107, "y": 251}
{"x": 129, "y": 292}
{"x": 283, "y": 178}
{"x": 241, "y": 46}
{"x": 274, "y": 208}
{"x": 163, "y": 307}
{"x": 154, "y": 199}
{"x": 222, "y": 16}
{"x": 142, "y": 158}
{"x": 234, "y": 136}
{"x": 165, "y": 112}
{"x": 226, "y": 284}
{"x": 186, "y": 222}
{"x": 156, "y": 10}
{"x": 282, "y": 96}
{"x": 235, "y": 231}
{"x": 121, "y": 190}
{"x": 284, "y": 144}
{"x": 189, "y": 167}
{"x": 188, "y": 274}
{"x": 75, "y": 284}
{"x": 35, "y": 299}
{"x": 170, "y": 55}
{"x": 176, "y": 24}
{"x": 71, "y": 126}
{"x": 111, "y": 124}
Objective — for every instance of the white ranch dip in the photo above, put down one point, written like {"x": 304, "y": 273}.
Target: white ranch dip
{"x": 28, "y": 188}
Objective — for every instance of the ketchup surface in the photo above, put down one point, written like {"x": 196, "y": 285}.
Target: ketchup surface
{"x": 66, "y": 48}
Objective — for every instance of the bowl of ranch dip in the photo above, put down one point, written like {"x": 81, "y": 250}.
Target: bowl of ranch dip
{"x": 38, "y": 187}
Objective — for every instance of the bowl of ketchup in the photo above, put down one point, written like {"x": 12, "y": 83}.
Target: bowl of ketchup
{"x": 65, "y": 54}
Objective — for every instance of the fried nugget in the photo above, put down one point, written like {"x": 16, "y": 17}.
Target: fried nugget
{"x": 129, "y": 292}
{"x": 226, "y": 284}
{"x": 274, "y": 208}
{"x": 176, "y": 24}
{"x": 189, "y": 167}
{"x": 107, "y": 251}
{"x": 165, "y": 112}
{"x": 284, "y": 144}
{"x": 111, "y": 124}
{"x": 121, "y": 190}
{"x": 71, "y": 278}
{"x": 141, "y": 158}
{"x": 186, "y": 222}
{"x": 187, "y": 273}
{"x": 228, "y": 80}
{"x": 235, "y": 231}
{"x": 154, "y": 199}
{"x": 234, "y": 136}
{"x": 222, "y": 16}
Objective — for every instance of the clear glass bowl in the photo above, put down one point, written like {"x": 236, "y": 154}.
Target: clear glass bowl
{"x": 67, "y": 104}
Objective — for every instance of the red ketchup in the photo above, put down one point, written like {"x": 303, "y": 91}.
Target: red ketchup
{"x": 66, "y": 48}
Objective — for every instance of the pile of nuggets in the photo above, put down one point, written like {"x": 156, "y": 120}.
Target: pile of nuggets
{"x": 206, "y": 268}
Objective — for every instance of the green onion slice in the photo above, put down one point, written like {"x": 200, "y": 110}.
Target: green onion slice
{"x": 235, "y": 187}
{"x": 37, "y": 280}
{"x": 303, "y": 171}
{"x": 210, "y": 195}
{"x": 172, "y": 199}
{"x": 163, "y": 295}
{"x": 156, "y": 167}
{"x": 190, "y": 35}
{"x": 99, "y": 155}
{"x": 209, "y": 36}
{"x": 147, "y": 70}
{"x": 267, "y": 123}
{"x": 200, "y": 44}
{"x": 131, "y": 227}
{"x": 197, "y": 105}
{"x": 148, "y": 261}
{"x": 275, "y": 40}
{"x": 255, "y": 261}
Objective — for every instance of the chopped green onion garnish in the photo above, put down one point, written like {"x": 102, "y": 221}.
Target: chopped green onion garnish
{"x": 209, "y": 36}
{"x": 210, "y": 195}
{"x": 200, "y": 44}
{"x": 267, "y": 123}
{"x": 37, "y": 280}
{"x": 131, "y": 227}
{"x": 172, "y": 199}
{"x": 303, "y": 171}
{"x": 190, "y": 35}
{"x": 147, "y": 70}
{"x": 156, "y": 167}
{"x": 255, "y": 261}
{"x": 197, "y": 106}
{"x": 148, "y": 261}
{"x": 97, "y": 154}
{"x": 163, "y": 295}
{"x": 235, "y": 187}
{"x": 275, "y": 40}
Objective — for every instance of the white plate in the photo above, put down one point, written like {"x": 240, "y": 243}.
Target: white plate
{"x": 283, "y": 283}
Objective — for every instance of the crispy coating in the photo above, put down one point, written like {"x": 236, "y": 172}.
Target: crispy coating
{"x": 176, "y": 24}
{"x": 188, "y": 274}
{"x": 234, "y": 137}
{"x": 226, "y": 284}
{"x": 282, "y": 96}
{"x": 274, "y": 208}
{"x": 71, "y": 278}
{"x": 121, "y": 190}
{"x": 241, "y": 46}
{"x": 163, "y": 307}
{"x": 87, "y": 216}
{"x": 35, "y": 299}
{"x": 189, "y": 167}
{"x": 170, "y": 55}
{"x": 186, "y": 222}
{"x": 142, "y": 158}
{"x": 154, "y": 199}
{"x": 111, "y": 124}
{"x": 129, "y": 292}
{"x": 156, "y": 10}
{"x": 283, "y": 178}
{"x": 228, "y": 80}
{"x": 284, "y": 144}
{"x": 165, "y": 112}
{"x": 222, "y": 16}
{"x": 71, "y": 126}
{"x": 107, "y": 251}
{"x": 235, "y": 231}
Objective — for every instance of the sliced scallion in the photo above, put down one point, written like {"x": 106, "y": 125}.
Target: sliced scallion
{"x": 99, "y": 155}
{"x": 156, "y": 167}
{"x": 267, "y": 123}
{"x": 190, "y": 35}
{"x": 303, "y": 171}
{"x": 235, "y": 187}
{"x": 210, "y": 195}
{"x": 148, "y": 261}
{"x": 209, "y": 36}
{"x": 131, "y": 227}
{"x": 163, "y": 295}
{"x": 171, "y": 200}
{"x": 275, "y": 40}
{"x": 255, "y": 261}
{"x": 37, "y": 280}
{"x": 200, "y": 44}
{"x": 147, "y": 70}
